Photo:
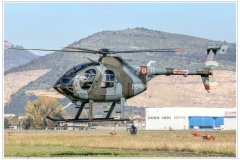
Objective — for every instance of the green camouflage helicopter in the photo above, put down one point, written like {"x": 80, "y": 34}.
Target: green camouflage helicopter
{"x": 115, "y": 79}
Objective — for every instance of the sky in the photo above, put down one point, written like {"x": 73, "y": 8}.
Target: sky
{"x": 52, "y": 25}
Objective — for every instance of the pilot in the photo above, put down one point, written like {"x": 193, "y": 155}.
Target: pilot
{"x": 84, "y": 77}
{"x": 92, "y": 76}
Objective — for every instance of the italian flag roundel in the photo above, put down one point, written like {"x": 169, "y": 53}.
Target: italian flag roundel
{"x": 144, "y": 70}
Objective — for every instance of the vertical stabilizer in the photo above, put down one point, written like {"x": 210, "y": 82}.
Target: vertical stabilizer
{"x": 211, "y": 63}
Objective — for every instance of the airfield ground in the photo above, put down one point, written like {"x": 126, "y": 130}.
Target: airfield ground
{"x": 102, "y": 144}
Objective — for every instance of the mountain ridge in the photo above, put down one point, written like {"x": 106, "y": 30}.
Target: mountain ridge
{"x": 15, "y": 58}
{"x": 138, "y": 38}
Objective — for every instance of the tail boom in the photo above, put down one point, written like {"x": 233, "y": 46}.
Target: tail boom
{"x": 206, "y": 72}
{"x": 172, "y": 71}
{"x": 206, "y": 75}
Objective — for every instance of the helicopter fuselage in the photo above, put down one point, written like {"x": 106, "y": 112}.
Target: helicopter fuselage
{"x": 108, "y": 80}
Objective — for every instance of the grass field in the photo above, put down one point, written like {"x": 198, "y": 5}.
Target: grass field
{"x": 102, "y": 144}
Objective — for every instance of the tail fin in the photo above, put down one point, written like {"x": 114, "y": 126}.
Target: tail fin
{"x": 211, "y": 63}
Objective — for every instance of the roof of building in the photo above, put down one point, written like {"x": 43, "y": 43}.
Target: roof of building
{"x": 9, "y": 115}
{"x": 188, "y": 111}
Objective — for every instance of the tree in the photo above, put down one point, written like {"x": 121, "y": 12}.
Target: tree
{"x": 26, "y": 123}
{"x": 14, "y": 121}
{"x": 51, "y": 125}
{"x": 6, "y": 123}
{"x": 42, "y": 107}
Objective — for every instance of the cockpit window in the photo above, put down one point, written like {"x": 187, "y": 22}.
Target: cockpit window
{"x": 87, "y": 78}
{"x": 73, "y": 71}
{"x": 108, "y": 79}
{"x": 89, "y": 75}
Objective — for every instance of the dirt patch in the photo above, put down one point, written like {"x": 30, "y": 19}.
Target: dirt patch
{"x": 14, "y": 81}
{"x": 50, "y": 93}
{"x": 170, "y": 91}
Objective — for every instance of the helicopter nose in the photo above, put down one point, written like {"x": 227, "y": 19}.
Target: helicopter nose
{"x": 58, "y": 88}
{"x": 64, "y": 86}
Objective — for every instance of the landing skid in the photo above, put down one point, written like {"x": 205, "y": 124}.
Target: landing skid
{"x": 90, "y": 114}
{"x": 85, "y": 119}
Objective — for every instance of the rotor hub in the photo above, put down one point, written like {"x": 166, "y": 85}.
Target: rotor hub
{"x": 104, "y": 50}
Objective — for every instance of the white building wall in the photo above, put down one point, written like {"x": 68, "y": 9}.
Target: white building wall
{"x": 177, "y": 118}
{"x": 230, "y": 121}
{"x": 167, "y": 118}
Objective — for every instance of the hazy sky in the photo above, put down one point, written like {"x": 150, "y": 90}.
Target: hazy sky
{"x": 55, "y": 25}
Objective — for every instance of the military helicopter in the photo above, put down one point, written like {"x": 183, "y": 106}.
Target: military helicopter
{"x": 114, "y": 79}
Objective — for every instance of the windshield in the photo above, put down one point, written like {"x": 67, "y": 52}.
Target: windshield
{"x": 87, "y": 78}
{"x": 70, "y": 74}
{"x": 89, "y": 75}
{"x": 76, "y": 69}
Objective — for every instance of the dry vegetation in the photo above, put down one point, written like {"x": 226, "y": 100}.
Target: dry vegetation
{"x": 102, "y": 144}
{"x": 178, "y": 91}
{"x": 49, "y": 93}
{"x": 14, "y": 81}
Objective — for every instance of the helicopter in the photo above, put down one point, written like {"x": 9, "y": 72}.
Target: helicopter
{"x": 115, "y": 79}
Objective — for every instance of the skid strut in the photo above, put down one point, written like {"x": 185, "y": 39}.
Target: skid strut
{"x": 80, "y": 110}
{"x": 90, "y": 114}
{"x": 110, "y": 110}
{"x": 122, "y": 108}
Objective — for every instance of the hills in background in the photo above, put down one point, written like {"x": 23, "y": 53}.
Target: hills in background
{"x": 14, "y": 58}
{"x": 57, "y": 63}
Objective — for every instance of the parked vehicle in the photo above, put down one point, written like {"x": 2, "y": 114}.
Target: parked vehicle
{"x": 195, "y": 127}
{"x": 220, "y": 127}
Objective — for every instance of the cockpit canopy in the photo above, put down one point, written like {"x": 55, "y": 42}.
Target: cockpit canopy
{"x": 74, "y": 71}
{"x": 87, "y": 78}
{"x": 64, "y": 84}
{"x": 89, "y": 75}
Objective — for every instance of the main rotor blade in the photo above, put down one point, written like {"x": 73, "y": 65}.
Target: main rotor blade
{"x": 54, "y": 50}
{"x": 152, "y": 50}
{"x": 84, "y": 49}
{"x": 103, "y": 51}
{"x": 92, "y": 51}
{"x": 131, "y": 51}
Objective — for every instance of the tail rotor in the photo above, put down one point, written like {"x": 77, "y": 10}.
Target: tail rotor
{"x": 211, "y": 63}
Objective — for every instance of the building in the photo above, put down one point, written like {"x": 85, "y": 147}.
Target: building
{"x": 9, "y": 115}
{"x": 181, "y": 118}
{"x": 230, "y": 120}
{"x": 71, "y": 125}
